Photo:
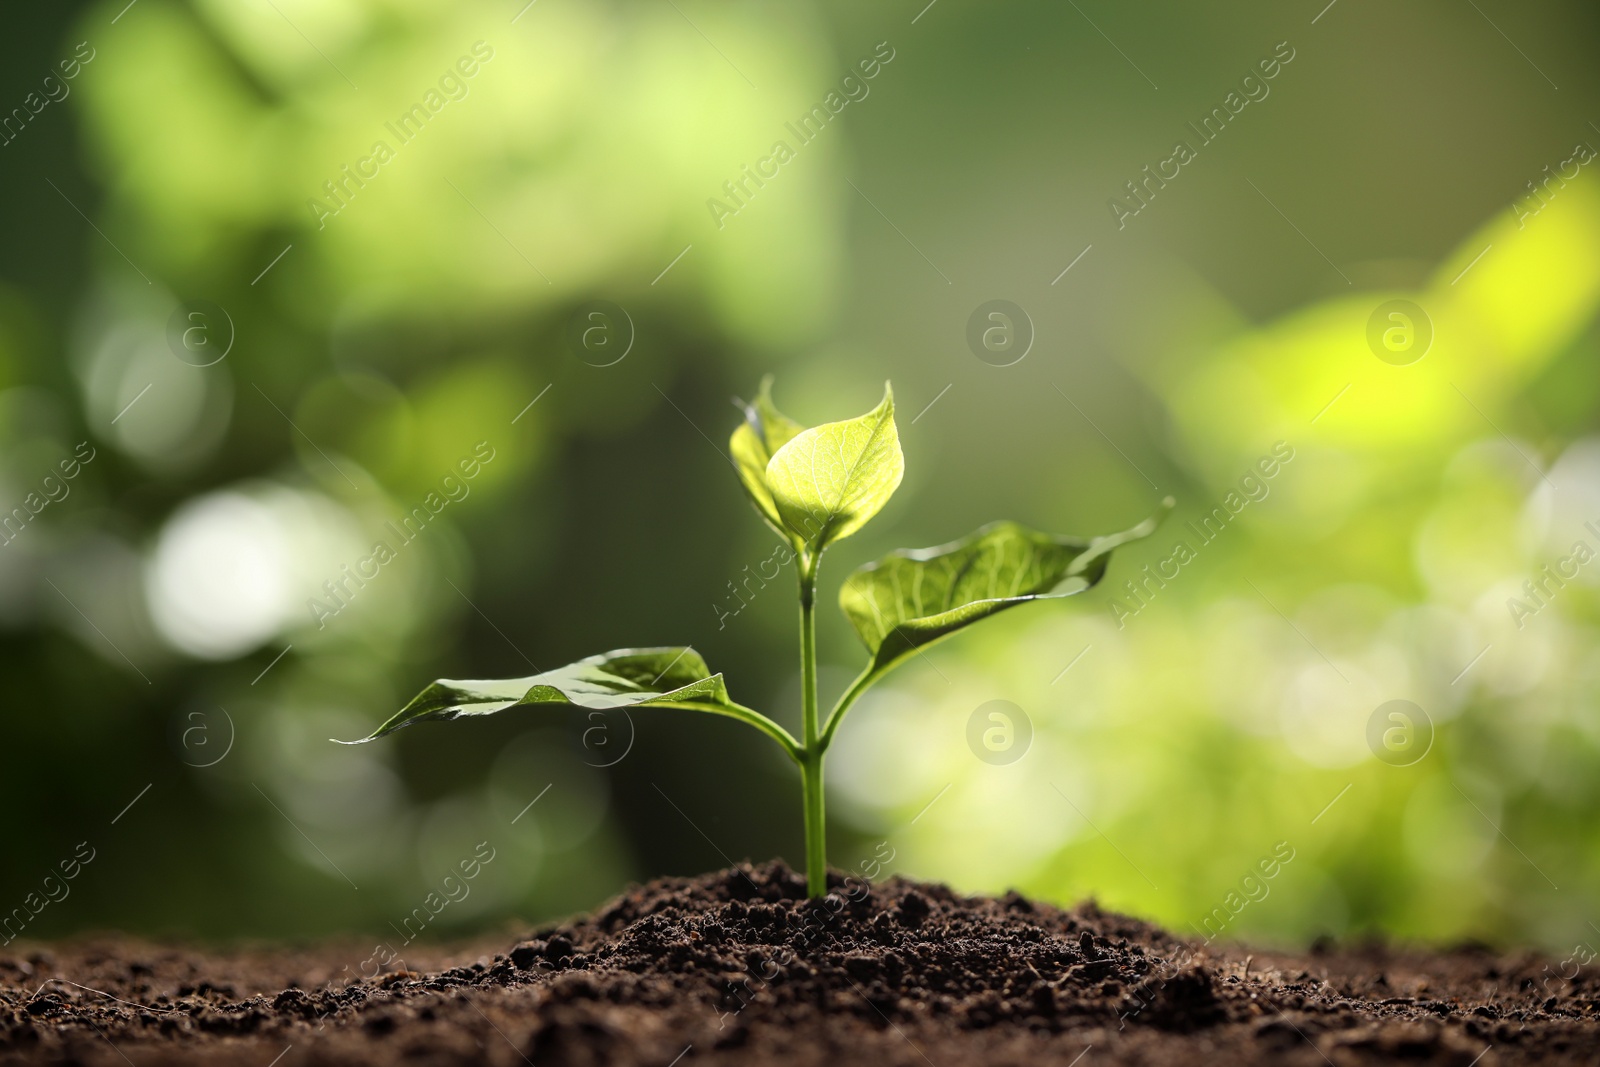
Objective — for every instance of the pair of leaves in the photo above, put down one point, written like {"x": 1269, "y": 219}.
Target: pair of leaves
{"x": 819, "y": 485}
{"x": 898, "y": 605}
{"x": 670, "y": 677}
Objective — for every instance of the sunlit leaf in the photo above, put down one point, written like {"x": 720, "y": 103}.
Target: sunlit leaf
{"x": 829, "y": 480}
{"x": 765, "y": 430}
{"x": 911, "y": 598}
{"x": 670, "y": 677}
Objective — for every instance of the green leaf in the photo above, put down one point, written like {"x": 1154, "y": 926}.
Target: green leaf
{"x": 765, "y": 430}
{"x": 670, "y": 677}
{"x": 829, "y": 480}
{"x": 910, "y": 599}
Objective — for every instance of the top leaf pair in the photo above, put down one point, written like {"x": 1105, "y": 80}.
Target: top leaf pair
{"x": 820, "y": 485}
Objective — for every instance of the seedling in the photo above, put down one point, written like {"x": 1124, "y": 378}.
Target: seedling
{"x": 814, "y": 487}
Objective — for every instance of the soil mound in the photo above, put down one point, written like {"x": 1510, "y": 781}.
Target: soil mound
{"x": 738, "y": 967}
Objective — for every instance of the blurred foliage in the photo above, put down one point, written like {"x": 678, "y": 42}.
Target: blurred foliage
{"x": 158, "y": 616}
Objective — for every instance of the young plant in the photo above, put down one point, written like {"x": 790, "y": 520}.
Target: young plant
{"x": 813, "y": 487}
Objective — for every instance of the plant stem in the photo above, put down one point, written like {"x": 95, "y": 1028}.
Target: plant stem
{"x": 816, "y": 849}
{"x": 811, "y": 753}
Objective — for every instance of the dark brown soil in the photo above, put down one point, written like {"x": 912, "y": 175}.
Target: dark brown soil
{"x": 736, "y": 967}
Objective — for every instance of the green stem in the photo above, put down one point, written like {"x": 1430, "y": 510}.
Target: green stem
{"x": 813, "y": 747}
{"x": 816, "y": 848}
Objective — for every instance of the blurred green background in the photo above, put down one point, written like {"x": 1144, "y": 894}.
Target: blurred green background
{"x": 156, "y": 625}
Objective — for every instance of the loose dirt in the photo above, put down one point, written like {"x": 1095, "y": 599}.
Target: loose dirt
{"x": 737, "y": 967}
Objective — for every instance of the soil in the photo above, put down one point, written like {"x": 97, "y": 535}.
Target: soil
{"x": 737, "y": 967}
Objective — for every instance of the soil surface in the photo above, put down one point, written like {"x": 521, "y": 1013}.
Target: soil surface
{"x": 737, "y": 967}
